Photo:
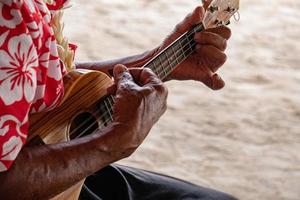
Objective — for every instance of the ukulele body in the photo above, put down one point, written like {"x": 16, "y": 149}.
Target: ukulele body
{"x": 83, "y": 89}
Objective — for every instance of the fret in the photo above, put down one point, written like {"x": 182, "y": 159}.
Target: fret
{"x": 164, "y": 60}
{"x": 169, "y": 57}
{"x": 182, "y": 50}
{"x": 175, "y": 54}
{"x": 198, "y": 28}
{"x": 169, "y": 64}
{"x": 153, "y": 67}
{"x": 156, "y": 66}
{"x": 189, "y": 44}
{"x": 190, "y": 36}
{"x": 181, "y": 56}
{"x": 194, "y": 31}
{"x": 163, "y": 67}
{"x": 187, "y": 47}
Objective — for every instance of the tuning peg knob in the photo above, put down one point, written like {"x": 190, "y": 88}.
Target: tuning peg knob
{"x": 213, "y": 9}
{"x": 218, "y": 22}
{"x": 230, "y": 10}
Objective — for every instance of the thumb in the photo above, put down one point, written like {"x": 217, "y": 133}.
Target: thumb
{"x": 121, "y": 75}
{"x": 191, "y": 20}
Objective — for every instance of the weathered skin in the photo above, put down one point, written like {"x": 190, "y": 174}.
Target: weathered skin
{"x": 38, "y": 172}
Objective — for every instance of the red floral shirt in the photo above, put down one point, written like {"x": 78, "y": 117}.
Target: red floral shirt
{"x": 30, "y": 70}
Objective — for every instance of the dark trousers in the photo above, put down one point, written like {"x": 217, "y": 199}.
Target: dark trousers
{"x": 117, "y": 182}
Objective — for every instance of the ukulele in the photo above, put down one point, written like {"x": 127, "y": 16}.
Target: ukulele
{"x": 86, "y": 107}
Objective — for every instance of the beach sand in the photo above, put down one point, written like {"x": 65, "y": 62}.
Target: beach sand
{"x": 244, "y": 139}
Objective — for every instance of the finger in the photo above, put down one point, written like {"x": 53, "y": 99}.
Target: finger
{"x": 217, "y": 82}
{"x": 148, "y": 77}
{"x": 213, "y": 81}
{"x": 141, "y": 74}
{"x": 206, "y": 3}
{"x": 190, "y": 20}
{"x": 212, "y": 54}
{"x": 223, "y": 31}
{"x": 112, "y": 90}
{"x": 148, "y": 81}
{"x": 144, "y": 76}
{"x": 136, "y": 74}
{"x": 211, "y": 39}
{"x": 122, "y": 76}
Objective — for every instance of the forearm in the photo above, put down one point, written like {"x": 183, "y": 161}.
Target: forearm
{"x": 43, "y": 171}
{"x": 107, "y": 65}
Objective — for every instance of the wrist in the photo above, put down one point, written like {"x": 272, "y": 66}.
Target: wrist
{"x": 114, "y": 141}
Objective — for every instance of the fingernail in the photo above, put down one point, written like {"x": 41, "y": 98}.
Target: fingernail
{"x": 217, "y": 82}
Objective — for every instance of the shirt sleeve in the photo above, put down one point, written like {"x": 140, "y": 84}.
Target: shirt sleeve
{"x": 30, "y": 72}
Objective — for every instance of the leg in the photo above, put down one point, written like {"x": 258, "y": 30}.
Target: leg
{"x": 117, "y": 182}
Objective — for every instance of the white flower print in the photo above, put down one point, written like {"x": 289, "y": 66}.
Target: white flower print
{"x": 9, "y": 2}
{"x": 54, "y": 67}
{"x": 3, "y": 37}
{"x": 36, "y": 31}
{"x": 30, "y": 5}
{"x": 13, "y": 21}
{"x": 18, "y": 76}
{"x": 11, "y": 148}
{"x": 7, "y": 120}
{"x": 2, "y": 167}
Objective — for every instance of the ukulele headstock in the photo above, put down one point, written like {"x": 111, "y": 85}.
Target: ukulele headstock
{"x": 219, "y": 12}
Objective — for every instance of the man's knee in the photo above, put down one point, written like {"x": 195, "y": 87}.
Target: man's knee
{"x": 210, "y": 194}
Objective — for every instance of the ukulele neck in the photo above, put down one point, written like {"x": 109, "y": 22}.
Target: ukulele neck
{"x": 168, "y": 59}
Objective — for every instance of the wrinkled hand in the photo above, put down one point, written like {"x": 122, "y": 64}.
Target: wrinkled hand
{"x": 139, "y": 102}
{"x": 209, "y": 55}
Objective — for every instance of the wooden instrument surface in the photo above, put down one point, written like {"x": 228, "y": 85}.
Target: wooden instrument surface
{"x": 83, "y": 89}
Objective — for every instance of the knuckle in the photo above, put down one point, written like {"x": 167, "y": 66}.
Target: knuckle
{"x": 125, "y": 86}
{"x": 229, "y": 32}
{"x": 148, "y": 70}
{"x": 147, "y": 91}
{"x": 223, "y": 59}
{"x": 223, "y": 45}
{"x": 199, "y": 48}
{"x": 161, "y": 88}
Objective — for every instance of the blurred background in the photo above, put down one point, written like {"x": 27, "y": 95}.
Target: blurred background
{"x": 244, "y": 139}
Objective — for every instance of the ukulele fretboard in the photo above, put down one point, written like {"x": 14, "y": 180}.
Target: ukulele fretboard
{"x": 162, "y": 64}
{"x": 167, "y": 60}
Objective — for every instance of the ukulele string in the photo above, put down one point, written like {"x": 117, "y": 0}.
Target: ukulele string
{"x": 110, "y": 110}
{"x": 98, "y": 111}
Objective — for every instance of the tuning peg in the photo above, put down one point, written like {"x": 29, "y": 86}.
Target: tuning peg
{"x": 218, "y": 22}
{"x": 213, "y": 9}
{"x": 227, "y": 23}
{"x": 230, "y": 10}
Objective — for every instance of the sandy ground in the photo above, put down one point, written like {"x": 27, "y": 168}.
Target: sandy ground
{"x": 245, "y": 139}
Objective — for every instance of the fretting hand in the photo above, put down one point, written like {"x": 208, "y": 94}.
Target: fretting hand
{"x": 209, "y": 55}
{"x": 140, "y": 102}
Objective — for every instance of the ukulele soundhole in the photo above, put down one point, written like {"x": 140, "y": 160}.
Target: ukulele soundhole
{"x": 82, "y": 125}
